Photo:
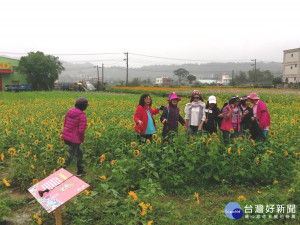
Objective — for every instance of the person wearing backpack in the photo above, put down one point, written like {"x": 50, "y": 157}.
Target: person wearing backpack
{"x": 171, "y": 116}
{"x": 195, "y": 113}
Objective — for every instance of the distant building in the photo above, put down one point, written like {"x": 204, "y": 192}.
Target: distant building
{"x": 226, "y": 79}
{"x": 207, "y": 81}
{"x": 291, "y": 66}
{"x": 164, "y": 81}
{"x": 9, "y": 74}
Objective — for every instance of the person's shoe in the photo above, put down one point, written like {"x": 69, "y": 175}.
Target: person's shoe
{"x": 82, "y": 173}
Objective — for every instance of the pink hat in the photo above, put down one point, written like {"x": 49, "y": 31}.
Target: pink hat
{"x": 254, "y": 96}
{"x": 173, "y": 95}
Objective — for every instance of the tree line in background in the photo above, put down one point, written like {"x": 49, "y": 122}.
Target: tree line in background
{"x": 43, "y": 70}
{"x": 255, "y": 77}
{"x": 252, "y": 77}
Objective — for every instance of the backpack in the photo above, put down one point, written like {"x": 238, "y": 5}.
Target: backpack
{"x": 168, "y": 107}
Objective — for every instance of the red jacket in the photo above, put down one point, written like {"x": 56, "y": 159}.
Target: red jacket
{"x": 141, "y": 114}
{"x": 74, "y": 126}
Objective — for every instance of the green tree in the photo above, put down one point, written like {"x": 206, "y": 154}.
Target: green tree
{"x": 41, "y": 70}
{"x": 135, "y": 82}
{"x": 191, "y": 78}
{"x": 181, "y": 73}
{"x": 241, "y": 78}
{"x": 277, "y": 80}
{"x": 261, "y": 77}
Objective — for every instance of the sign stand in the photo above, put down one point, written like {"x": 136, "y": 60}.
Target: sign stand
{"x": 58, "y": 216}
{"x": 57, "y": 189}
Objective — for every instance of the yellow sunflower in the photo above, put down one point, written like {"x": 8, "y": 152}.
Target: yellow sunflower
{"x": 49, "y": 147}
{"x": 12, "y": 151}
{"x": 144, "y": 209}
{"x": 86, "y": 192}
{"x": 136, "y": 153}
{"x": 133, "y": 144}
{"x": 102, "y": 158}
{"x": 229, "y": 150}
{"x": 241, "y": 198}
{"x": 61, "y": 161}
{"x": 35, "y": 181}
{"x": 197, "y": 198}
{"x": 133, "y": 195}
{"x": 6, "y": 182}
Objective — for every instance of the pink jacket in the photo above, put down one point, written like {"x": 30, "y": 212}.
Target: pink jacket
{"x": 227, "y": 123}
{"x": 74, "y": 126}
{"x": 263, "y": 115}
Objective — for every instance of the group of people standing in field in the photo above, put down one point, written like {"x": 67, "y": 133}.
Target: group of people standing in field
{"x": 234, "y": 119}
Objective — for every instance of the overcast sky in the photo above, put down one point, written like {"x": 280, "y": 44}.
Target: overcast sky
{"x": 210, "y": 30}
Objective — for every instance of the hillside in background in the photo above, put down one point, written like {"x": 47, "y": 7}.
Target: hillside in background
{"x": 201, "y": 71}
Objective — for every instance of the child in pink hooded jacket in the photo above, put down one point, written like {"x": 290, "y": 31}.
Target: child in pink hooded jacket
{"x": 73, "y": 133}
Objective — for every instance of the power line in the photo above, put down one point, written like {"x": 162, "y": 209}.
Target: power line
{"x": 195, "y": 60}
{"x": 24, "y": 53}
{"x": 96, "y": 60}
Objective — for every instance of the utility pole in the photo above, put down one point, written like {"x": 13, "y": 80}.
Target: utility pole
{"x": 126, "y": 53}
{"x": 98, "y": 78}
{"x": 232, "y": 74}
{"x": 254, "y": 60}
{"x": 102, "y": 75}
{"x": 98, "y": 85}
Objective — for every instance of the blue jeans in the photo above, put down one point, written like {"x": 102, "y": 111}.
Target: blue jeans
{"x": 265, "y": 132}
{"x": 193, "y": 130}
{"x": 260, "y": 139}
{"x": 227, "y": 135}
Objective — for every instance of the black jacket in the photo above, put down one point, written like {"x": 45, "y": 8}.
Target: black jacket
{"x": 246, "y": 122}
{"x": 213, "y": 119}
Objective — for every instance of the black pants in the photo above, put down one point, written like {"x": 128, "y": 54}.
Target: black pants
{"x": 75, "y": 149}
{"x": 144, "y": 137}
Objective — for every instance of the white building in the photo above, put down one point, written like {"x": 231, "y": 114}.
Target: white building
{"x": 164, "y": 81}
{"x": 226, "y": 79}
{"x": 291, "y": 66}
{"x": 207, "y": 81}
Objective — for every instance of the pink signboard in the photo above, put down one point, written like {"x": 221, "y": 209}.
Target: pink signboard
{"x": 62, "y": 186}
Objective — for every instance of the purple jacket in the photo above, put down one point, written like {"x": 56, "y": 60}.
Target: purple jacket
{"x": 74, "y": 126}
{"x": 172, "y": 122}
